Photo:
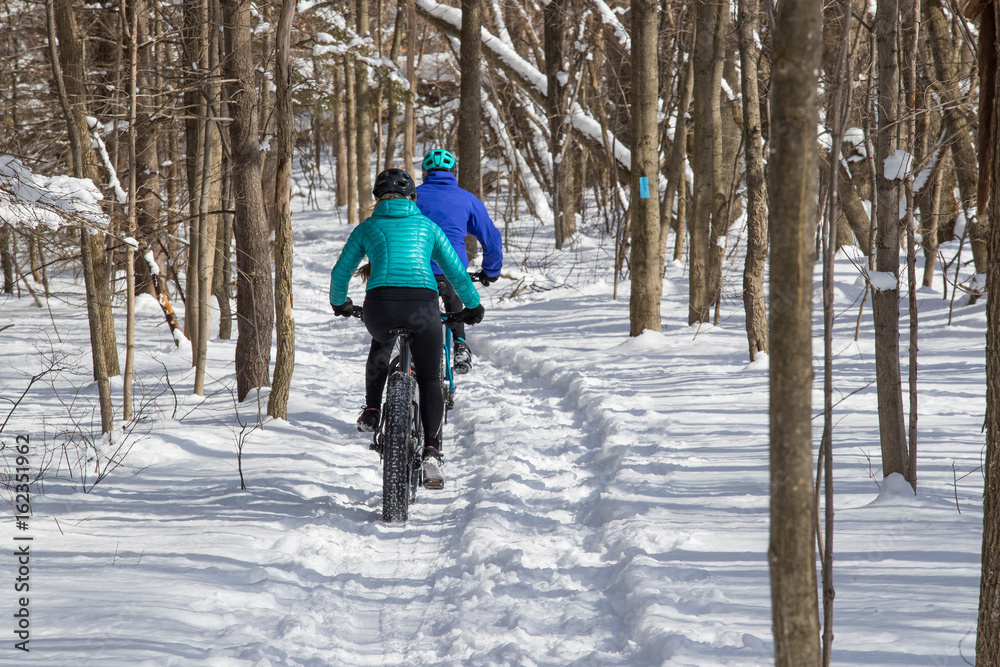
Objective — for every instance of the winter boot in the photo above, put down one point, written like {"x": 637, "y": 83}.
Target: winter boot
{"x": 432, "y": 469}
{"x": 463, "y": 357}
{"x": 369, "y": 419}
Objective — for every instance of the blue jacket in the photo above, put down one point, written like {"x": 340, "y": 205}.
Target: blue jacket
{"x": 400, "y": 244}
{"x": 460, "y": 213}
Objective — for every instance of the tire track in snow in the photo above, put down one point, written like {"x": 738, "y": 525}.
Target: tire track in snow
{"x": 522, "y": 556}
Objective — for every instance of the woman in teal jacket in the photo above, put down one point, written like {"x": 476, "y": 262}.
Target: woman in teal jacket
{"x": 400, "y": 243}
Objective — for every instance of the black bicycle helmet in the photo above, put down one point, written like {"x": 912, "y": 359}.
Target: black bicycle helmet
{"x": 393, "y": 181}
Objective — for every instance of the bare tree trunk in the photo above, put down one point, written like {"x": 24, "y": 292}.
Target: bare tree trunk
{"x": 930, "y": 209}
{"x": 676, "y": 176}
{"x": 196, "y": 48}
{"x": 720, "y": 182}
{"x": 392, "y": 112}
{"x": 756, "y": 258}
{"x": 277, "y": 402}
{"x": 68, "y": 71}
{"x": 409, "y": 122}
{"x": 647, "y": 267}
{"x": 132, "y": 16}
{"x": 470, "y": 100}
{"x": 910, "y": 36}
{"x": 208, "y": 224}
{"x": 682, "y": 198}
{"x": 364, "y": 118}
{"x": 222, "y": 278}
{"x": 707, "y": 86}
{"x": 350, "y": 108}
{"x": 885, "y": 302}
{"x": 988, "y": 630}
{"x": 556, "y": 20}
{"x": 340, "y": 130}
{"x": 838, "y": 109}
{"x": 7, "y": 257}
{"x": 254, "y": 296}
{"x": 149, "y": 226}
{"x": 792, "y": 216}
{"x": 957, "y": 127}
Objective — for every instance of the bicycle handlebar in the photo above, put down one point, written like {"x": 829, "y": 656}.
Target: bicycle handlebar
{"x": 446, "y": 317}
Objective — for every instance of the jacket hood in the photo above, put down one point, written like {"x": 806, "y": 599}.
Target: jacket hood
{"x": 440, "y": 177}
{"x": 396, "y": 208}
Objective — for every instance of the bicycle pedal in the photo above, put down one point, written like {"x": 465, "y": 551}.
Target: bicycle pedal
{"x": 432, "y": 478}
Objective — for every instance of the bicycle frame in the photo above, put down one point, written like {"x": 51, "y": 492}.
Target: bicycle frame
{"x": 447, "y": 375}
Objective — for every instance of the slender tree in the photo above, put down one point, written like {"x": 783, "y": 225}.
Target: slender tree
{"x": 364, "y": 116}
{"x": 721, "y": 204}
{"x": 202, "y": 268}
{"x": 556, "y": 26}
{"x": 409, "y": 115}
{"x": 470, "y": 124}
{"x": 957, "y": 129}
{"x": 753, "y": 157}
{"x": 351, "y": 127}
{"x": 254, "y": 295}
{"x": 792, "y": 191}
{"x": 885, "y": 298}
{"x": 647, "y": 268}
{"x": 130, "y": 20}
{"x": 277, "y": 403}
{"x": 707, "y": 87}
{"x": 988, "y": 630}
{"x": 67, "y": 61}
{"x": 676, "y": 179}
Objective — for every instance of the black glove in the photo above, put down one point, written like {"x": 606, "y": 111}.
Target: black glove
{"x": 472, "y": 315}
{"x": 484, "y": 279}
{"x": 345, "y": 309}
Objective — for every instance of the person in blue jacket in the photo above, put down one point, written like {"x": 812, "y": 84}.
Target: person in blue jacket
{"x": 459, "y": 213}
{"x": 400, "y": 244}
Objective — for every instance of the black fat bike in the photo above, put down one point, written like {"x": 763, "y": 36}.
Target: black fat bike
{"x": 399, "y": 438}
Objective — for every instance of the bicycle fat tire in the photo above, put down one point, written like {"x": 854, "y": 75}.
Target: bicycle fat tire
{"x": 396, "y": 448}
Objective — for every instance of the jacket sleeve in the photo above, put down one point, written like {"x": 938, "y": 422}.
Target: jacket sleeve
{"x": 446, "y": 258}
{"x": 350, "y": 257}
{"x": 481, "y": 226}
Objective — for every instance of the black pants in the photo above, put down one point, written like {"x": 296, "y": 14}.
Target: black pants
{"x": 388, "y": 308}
{"x": 452, "y": 304}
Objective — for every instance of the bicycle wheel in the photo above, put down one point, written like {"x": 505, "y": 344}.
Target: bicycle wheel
{"x": 396, "y": 447}
{"x": 416, "y": 445}
{"x": 447, "y": 381}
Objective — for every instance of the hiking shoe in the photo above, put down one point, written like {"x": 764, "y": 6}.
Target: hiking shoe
{"x": 463, "y": 357}
{"x": 432, "y": 473}
{"x": 369, "y": 419}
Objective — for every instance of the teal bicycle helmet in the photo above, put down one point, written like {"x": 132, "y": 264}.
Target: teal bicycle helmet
{"x": 438, "y": 158}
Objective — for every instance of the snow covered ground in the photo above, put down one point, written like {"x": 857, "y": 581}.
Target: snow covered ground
{"x": 606, "y": 501}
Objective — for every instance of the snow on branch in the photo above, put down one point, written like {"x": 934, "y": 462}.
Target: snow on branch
{"x": 28, "y": 200}
{"x": 533, "y": 191}
{"x": 102, "y": 150}
{"x": 897, "y": 165}
{"x": 881, "y": 281}
{"x": 358, "y": 48}
{"x": 610, "y": 19}
{"x": 449, "y": 20}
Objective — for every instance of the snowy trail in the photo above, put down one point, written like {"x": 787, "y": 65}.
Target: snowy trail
{"x": 606, "y": 502}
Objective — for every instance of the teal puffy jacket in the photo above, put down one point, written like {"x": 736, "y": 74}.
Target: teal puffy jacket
{"x": 400, "y": 244}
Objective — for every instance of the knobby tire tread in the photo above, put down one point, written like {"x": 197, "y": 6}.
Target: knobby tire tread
{"x": 396, "y": 464}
